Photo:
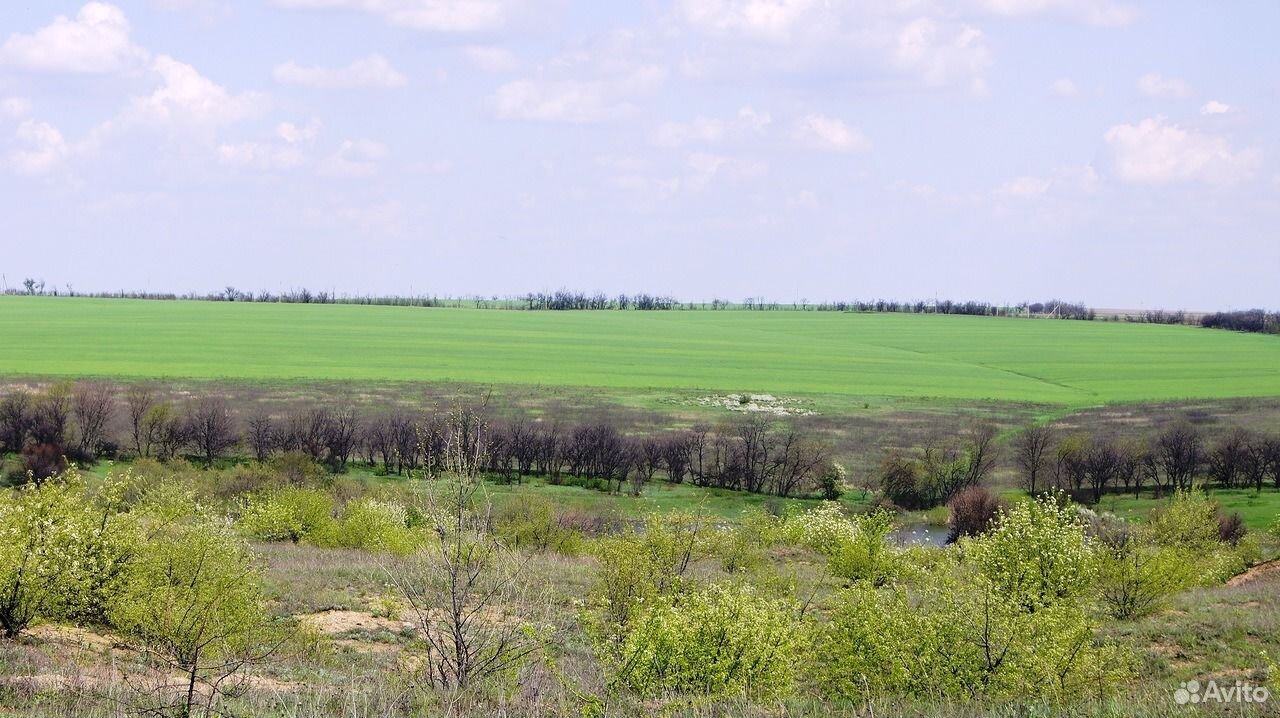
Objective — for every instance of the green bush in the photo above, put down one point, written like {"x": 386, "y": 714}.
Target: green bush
{"x": 535, "y": 522}
{"x": 647, "y": 564}
{"x": 372, "y": 525}
{"x": 722, "y": 641}
{"x": 1036, "y": 554}
{"x": 856, "y": 547}
{"x": 288, "y": 514}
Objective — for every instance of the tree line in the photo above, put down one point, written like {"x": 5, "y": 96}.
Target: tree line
{"x": 75, "y": 422}
{"x": 1175, "y": 459}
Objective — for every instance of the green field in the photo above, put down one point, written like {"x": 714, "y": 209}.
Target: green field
{"x": 1065, "y": 363}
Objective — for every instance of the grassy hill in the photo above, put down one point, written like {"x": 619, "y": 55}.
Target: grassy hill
{"x": 1065, "y": 363}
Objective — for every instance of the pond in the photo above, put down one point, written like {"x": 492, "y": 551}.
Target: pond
{"x": 920, "y": 535}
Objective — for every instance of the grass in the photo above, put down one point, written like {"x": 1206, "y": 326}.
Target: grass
{"x": 1061, "y": 363}
{"x": 1259, "y": 510}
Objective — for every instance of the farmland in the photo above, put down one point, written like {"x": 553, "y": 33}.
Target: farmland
{"x": 845, "y": 357}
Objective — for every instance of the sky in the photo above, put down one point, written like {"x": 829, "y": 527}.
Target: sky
{"x": 1116, "y": 152}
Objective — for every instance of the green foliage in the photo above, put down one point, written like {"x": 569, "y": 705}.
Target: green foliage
{"x": 535, "y": 522}
{"x": 1134, "y": 578}
{"x": 193, "y": 602}
{"x": 856, "y": 547}
{"x": 1036, "y": 555}
{"x": 369, "y": 524}
{"x": 45, "y": 534}
{"x": 647, "y": 564}
{"x": 1188, "y": 524}
{"x": 288, "y": 514}
{"x": 721, "y": 641}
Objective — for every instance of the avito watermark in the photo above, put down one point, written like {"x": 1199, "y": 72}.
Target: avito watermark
{"x": 1212, "y": 692}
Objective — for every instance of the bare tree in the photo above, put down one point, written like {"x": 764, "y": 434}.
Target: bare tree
{"x": 981, "y": 452}
{"x": 211, "y": 428}
{"x": 1179, "y": 454}
{"x": 138, "y": 400}
{"x": 1030, "y": 451}
{"x": 15, "y": 420}
{"x": 466, "y": 589}
{"x": 92, "y": 404}
{"x": 261, "y": 436}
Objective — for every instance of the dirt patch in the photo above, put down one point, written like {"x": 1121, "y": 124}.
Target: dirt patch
{"x": 756, "y": 404}
{"x": 74, "y": 637}
{"x": 338, "y": 622}
{"x": 1265, "y": 570}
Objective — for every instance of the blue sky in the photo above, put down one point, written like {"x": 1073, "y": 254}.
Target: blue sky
{"x": 1121, "y": 153}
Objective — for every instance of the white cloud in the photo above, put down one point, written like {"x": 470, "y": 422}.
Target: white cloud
{"x": 1213, "y": 107}
{"x": 1097, "y": 12}
{"x": 433, "y": 15}
{"x": 491, "y": 59}
{"x": 285, "y": 154}
{"x": 774, "y": 20}
{"x": 1065, "y": 87}
{"x": 42, "y": 148}
{"x": 259, "y": 155}
{"x": 374, "y": 71}
{"x": 354, "y": 159}
{"x": 829, "y": 134}
{"x": 1154, "y": 151}
{"x": 1025, "y": 187}
{"x": 804, "y": 199}
{"x": 1170, "y": 88}
{"x": 710, "y": 130}
{"x": 705, "y": 167}
{"x": 15, "y": 107}
{"x": 187, "y": 98}
{"x": 589, "y": 84}
{"x": 295, "y": 135}
{"x": 941, "y": 55}
{"x": 95, "y": 41}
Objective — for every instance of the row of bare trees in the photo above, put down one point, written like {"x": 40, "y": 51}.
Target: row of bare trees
{"x": 1174, "y": 459}
{"x": 754, "y": 454}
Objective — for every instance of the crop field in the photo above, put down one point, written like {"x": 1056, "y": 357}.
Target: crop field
{"x": 1063, "y": 363}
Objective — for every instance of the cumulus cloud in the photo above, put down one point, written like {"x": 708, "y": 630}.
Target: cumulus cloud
{"x": 1155, "y": 151}
{"x": 1097, "y": 12}
{"x": 941, "y": 54}
{"x": 187, "y": 98}
{"x": 374, "y": 71}
{"x": 95, "y": 41}
{"x": 1213, "y": 107}
{"x": 287, "y": 151}
{"x": 1169, "y": 88}
{"x": 355, "y": 159}
{"x": 774, "y": 20}
{"x": 15, "y": 107}
{"x": 829, "y": 134}
{"x": 1065, "y": 87}
{"x": 41, "y": 148}
{"x": 590, "y": 84}
{"x": 457, "y": 16}
{"x": 710, "y": 130}
{"x": 491, "y": 59}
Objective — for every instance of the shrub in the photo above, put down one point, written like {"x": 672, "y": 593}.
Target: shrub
{"x": 643, "y": 565}
{"x": 372, "y": 525}
{"x": 288, "y": 514}
{"x": 1036, "y": 554}
{"x": 193, "y": 603}
{"x": 832, "y": 481}
{"x": 972, "y": 512}
{"x": 1231, "y": 528}
{"x": 44, "y": 534}
{"x": 855, "y": 546}
{"x": 1190, "y": 524}
{"x": 535, "y": 522}
{"x": 722, "y": 641}
{"x": 42, "y": 461}
{"x": 1135, "y": 577}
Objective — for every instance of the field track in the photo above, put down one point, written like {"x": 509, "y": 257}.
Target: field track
{"x": 1067, "y": 363}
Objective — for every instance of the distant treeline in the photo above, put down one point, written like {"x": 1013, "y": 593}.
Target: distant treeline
{"x": 1250, "y": 320}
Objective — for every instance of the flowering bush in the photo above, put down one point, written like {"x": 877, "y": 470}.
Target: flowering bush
{"x": 1036, "y": 554}
{"x": 722, "y": 641}
{"x": 45, "y": 534}
{"x": 288, "y": 514}
{"x": 856, "y": 546}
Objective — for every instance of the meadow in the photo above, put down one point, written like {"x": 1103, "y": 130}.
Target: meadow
{"x": 841, "y": 355}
